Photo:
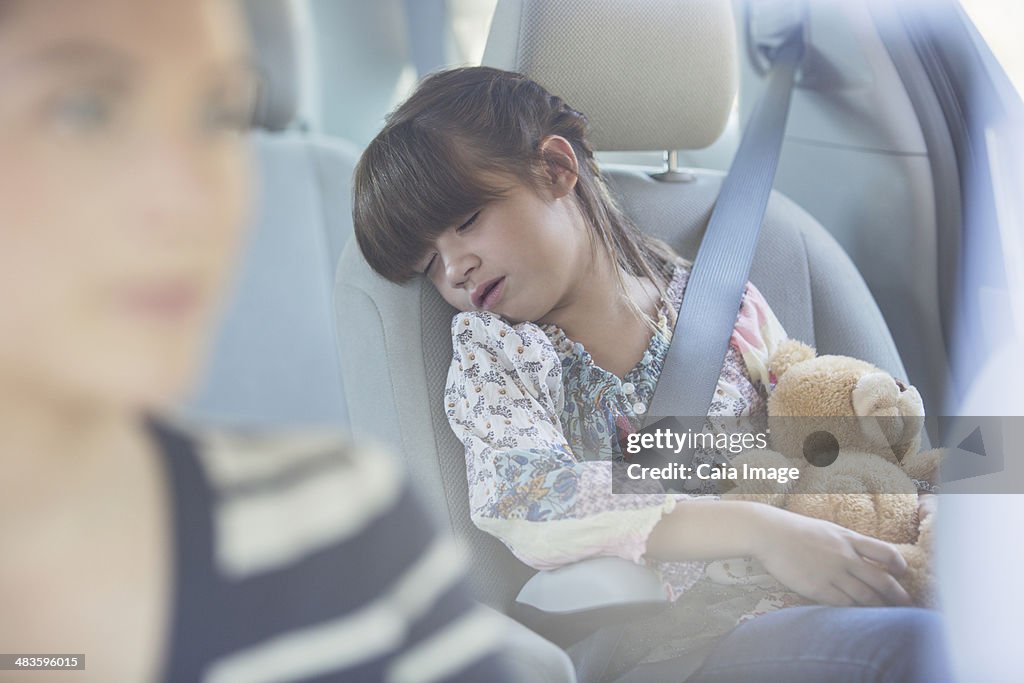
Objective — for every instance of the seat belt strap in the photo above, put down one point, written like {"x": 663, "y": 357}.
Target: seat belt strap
{"x": 721, "y": 269}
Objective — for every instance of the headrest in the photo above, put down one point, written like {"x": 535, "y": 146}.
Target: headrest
{"x": 648, "y": 74}
{"x": 274, "y": 31}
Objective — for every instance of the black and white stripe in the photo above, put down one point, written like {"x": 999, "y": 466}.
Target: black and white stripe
{"x": 312, "y": 561}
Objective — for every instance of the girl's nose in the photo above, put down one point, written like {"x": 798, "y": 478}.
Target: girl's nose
{"x": 459, "y": 268}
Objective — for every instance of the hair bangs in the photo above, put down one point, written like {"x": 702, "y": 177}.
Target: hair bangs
{"x": 412, "y": 184}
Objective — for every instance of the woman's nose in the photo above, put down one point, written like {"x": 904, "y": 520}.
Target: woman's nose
{"x": 189, "y": 188}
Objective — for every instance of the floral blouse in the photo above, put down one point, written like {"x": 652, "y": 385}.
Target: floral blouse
{"x": 538, "y": 419}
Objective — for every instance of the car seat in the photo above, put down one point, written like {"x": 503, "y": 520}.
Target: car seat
{"x": 274, "y": 361}
{"x": 650, "y": 75}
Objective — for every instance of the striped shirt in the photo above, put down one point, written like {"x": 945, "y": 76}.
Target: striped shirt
{"x": 310, "y": 560}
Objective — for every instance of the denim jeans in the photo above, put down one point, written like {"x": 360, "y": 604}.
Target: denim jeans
{"x": 819, "y": 643}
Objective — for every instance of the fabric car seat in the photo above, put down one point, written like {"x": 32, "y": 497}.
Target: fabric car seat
{"x": 650, "y": 75}
{"x": 274, "y": 361}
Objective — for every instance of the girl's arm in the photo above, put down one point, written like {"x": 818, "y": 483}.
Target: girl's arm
{"x": 821, "y": 561}
{"x": 503, "y": 401}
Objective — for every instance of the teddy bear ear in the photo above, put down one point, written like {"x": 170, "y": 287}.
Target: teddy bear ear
{"x": 788, "y": 354}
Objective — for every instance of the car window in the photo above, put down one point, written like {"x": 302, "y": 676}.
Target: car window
{"x": 999, "y": 22}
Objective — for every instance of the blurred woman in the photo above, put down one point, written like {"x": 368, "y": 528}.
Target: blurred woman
{"x": 155, "y": 553}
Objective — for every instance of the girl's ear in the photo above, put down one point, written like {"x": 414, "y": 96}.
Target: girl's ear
{"x": 560, "y": 164}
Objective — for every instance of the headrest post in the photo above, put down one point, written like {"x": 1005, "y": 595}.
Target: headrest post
{"x": 277, "y": 37}
{"x": 672, "y": 173}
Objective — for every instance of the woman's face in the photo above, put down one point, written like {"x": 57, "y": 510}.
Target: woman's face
{"x": 122, "y": 190}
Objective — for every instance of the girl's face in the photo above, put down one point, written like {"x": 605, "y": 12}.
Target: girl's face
{"x": 122, "y": 189}
{"x": 519, "y": 256}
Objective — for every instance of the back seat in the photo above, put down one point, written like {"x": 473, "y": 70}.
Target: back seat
{"x": 274, "y": 361}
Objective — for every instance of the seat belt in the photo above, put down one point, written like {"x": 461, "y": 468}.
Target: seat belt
{"x": 721, "y": 269}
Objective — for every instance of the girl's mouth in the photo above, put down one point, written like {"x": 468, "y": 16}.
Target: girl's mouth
{"x": 487, "y": 295}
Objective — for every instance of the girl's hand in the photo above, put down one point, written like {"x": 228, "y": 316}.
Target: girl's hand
{"x": 830, "y": 564}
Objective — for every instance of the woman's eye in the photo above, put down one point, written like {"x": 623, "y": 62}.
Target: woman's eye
{"x": 230, "y": 106}
{"x": 218, "y": 118}
{"x": 467, "y": 224}
{"x": 83, "y": 112}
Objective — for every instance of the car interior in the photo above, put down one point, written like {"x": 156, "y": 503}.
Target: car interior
{"x": 893, "y": 234}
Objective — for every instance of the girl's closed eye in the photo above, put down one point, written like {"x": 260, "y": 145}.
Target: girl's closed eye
{"x": 461, "y": 228}
{"x": 430, "y": 263}
{"x": 472, "y": 219}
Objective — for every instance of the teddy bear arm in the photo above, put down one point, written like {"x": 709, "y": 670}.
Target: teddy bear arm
{"x": 919, "y": 579}
{"x": 768, "y": 491}
{"x": 924, "y": 465}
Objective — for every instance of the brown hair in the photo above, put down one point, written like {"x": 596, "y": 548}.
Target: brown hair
{"x": 425, "y": 170}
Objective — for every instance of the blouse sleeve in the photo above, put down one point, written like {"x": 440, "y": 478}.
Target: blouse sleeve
{"x": 503, "y": 399}
{"x": 757, "y": 335}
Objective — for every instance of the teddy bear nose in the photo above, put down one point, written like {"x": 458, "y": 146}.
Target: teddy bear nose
{"x": 901, "y": 386}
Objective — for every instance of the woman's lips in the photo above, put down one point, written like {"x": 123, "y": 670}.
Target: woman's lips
{"x": 169, "y": 302}
{"x": 487, "y": 295}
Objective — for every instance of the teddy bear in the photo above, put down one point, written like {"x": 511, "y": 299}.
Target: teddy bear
{"x": 852, "y": 430}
